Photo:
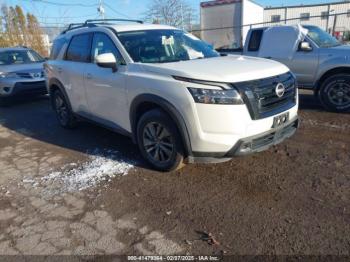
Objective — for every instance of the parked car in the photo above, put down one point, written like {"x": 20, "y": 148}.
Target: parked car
{"x": 21, "y": 73}
{"x": 319, "y": 61}
{"x": 178, "y": 99}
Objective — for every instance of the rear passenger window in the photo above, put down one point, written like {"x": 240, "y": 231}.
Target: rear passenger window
{"x": 255, "y": 40}
{"x": 56, "y": 48}
{"x": 79, "y": 48}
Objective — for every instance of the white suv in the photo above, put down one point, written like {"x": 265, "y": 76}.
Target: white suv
{"x": 176, "y": 97}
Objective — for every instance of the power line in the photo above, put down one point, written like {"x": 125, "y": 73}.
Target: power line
{"x": 66, "y": 17}
{"x": 117, "y": 12}
{"x": 61, "y": 4}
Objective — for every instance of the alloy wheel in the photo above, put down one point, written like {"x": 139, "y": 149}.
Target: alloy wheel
{"x": 158, "y": 142}
{"x": 339, "y": 94}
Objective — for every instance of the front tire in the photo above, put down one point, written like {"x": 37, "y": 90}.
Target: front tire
{"x": 334, "y": 93}
{"x": 64, "y": 114}
{"x": 159, "y": 141}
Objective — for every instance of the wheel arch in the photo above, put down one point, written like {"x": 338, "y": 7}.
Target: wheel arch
{"x": 55, "y": 84}
{"x": 146, "y": 102}
{"x": 331, "y": 72}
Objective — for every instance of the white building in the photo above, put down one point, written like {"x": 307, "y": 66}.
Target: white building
{"x": 225, "y": 23}
{"x": 304, "y": 14}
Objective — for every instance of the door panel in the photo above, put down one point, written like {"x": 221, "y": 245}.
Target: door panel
{"x": 304, "y": 65}
{"x": 105, "y": 89}
{"x": 71, "y": 71}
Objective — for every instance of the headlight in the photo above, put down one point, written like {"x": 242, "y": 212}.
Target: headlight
{"x": 227, "y": 95}
{"x": 211, "y": 96}
{"x": 7, "y": 75}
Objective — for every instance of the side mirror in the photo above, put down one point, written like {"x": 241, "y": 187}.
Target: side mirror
{"x": 305, "y": 46}
{"x": 107, "y": 61}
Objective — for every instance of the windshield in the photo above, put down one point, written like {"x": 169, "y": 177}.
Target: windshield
{"x": 164, "y": 46}
{"x": 321, "y": 38}
{"x": 15, "y": 57}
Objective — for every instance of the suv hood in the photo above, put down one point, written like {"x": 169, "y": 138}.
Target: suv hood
{"x": 23, "y": 68}
{"x": 228, "y": 69}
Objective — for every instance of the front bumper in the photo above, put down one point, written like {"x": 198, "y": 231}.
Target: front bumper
{"x": 250, "y": 145}
{"x": 264, "y": 141}
{"x": 24, "y": 88}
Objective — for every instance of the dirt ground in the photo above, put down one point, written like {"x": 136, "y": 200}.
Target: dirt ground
{"x": 88, "y": 192}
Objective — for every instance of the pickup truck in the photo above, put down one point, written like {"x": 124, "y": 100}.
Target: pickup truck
{"x": 318, "y": 60}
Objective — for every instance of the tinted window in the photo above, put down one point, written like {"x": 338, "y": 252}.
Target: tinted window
{"x": 102, "y": 44}
{"x": 56, "y": 48}
{"x": 19, "y": 57}
{"x": 79, "y": 48}
{"x": 321, "y": 37}
{"x": 255, "y": 40}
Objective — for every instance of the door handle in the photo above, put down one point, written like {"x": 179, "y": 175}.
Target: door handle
{"x": 268, "y": 57}
{"x": 88, "y": 76}
{"x": 60, "y": 70}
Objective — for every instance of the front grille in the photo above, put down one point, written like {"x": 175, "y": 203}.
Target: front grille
{"x": 30, "y": 75}
{"x": 263, "y": 141}
{"x": 24, "y": 75}
{"x": 274, "y": 138}
{"x": 261, "y": 98}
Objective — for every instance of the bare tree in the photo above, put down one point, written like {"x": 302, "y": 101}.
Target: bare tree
{"x": 36, "y": 34}
{"x": 177, "y": 13}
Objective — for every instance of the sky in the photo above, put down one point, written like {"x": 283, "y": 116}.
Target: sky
{"x": 53, "y": 12}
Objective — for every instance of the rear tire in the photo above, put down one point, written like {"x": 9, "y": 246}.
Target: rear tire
{"x": 159, "y": 141}
{"x": 334, "y": 93}
{"x": 64, "y": 114}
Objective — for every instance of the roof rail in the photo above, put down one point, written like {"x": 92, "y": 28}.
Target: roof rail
{"x": 103, "y": 21}
{"x": 94, "y": 22}
{"x": 73, "y": 26}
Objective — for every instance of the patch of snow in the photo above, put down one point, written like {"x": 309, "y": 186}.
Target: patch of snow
{"x": 100, "y": 167}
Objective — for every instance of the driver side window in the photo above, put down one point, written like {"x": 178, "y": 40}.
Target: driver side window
{"x": 102, "y": 44}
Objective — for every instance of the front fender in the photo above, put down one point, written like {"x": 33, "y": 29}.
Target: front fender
{"x": 169, "y": 109}
{"x": 331, "y": 63}
{"x": 55, "y": 83}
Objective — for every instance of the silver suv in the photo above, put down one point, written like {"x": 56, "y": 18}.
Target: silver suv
{"x": 21, "y": 73}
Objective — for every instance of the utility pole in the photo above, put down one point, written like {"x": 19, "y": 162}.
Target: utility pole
{"x": 101, "y": 9}
{"x": 335, "y": 24}
{"x": 182, "y": 16}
